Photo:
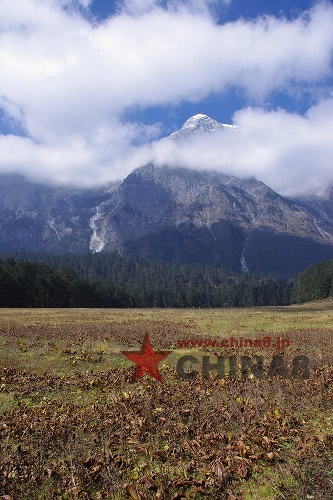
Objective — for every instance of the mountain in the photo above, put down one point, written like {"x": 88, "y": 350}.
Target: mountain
{"x": 186, "y": 216}
{"x": 37, "y": 217}
{"x": 172, "y": 215}
{"x": 199, "y": 124}
{"x": 322, "y": 202}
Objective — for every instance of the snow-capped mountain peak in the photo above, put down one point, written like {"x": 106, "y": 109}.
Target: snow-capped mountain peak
{"x": 199, "y": 124}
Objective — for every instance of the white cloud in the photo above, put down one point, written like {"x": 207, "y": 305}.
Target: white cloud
{"x": 135, "y": 7}
{"x": 83, "y": 160}
{"x": 85, "y": 3}
{"x": 197, "y": 6}
{"x": 292, "y": 154}
{"x": 69, "y": 81}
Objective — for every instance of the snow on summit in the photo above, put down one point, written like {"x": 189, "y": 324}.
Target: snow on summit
{"x": 199, "y": 124}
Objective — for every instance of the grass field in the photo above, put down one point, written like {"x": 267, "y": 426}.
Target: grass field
{"x": 74, "y": 425}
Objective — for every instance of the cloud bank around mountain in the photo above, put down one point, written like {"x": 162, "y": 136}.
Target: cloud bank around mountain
{"x": 67, "y": 80}
{"x": 291, "y": 153}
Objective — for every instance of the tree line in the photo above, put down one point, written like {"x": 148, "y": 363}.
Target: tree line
{"x": 315, "y": 283}
{"x": 107, "y": 280}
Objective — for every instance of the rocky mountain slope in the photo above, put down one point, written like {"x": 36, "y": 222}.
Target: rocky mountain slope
{"x": 174, "y": 215}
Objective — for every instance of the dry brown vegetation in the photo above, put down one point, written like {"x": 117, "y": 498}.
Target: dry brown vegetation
{"x": 73, "y": 425}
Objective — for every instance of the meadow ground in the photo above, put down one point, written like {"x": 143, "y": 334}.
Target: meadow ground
{"x": 74, "y": 425}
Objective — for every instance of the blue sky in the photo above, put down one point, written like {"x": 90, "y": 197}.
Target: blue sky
{"x": 89, "y": 88}
{"x": 238, "y": 8}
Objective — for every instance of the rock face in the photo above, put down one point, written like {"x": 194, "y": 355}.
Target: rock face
{"x": 173, "y": 215}
{"x": 37, "y": 217}
{"x": 183, "y": 216}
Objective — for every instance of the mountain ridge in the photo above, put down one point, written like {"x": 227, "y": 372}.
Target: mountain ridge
{"x": 172, "y": 215}
{"x": 169, "y": 214}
